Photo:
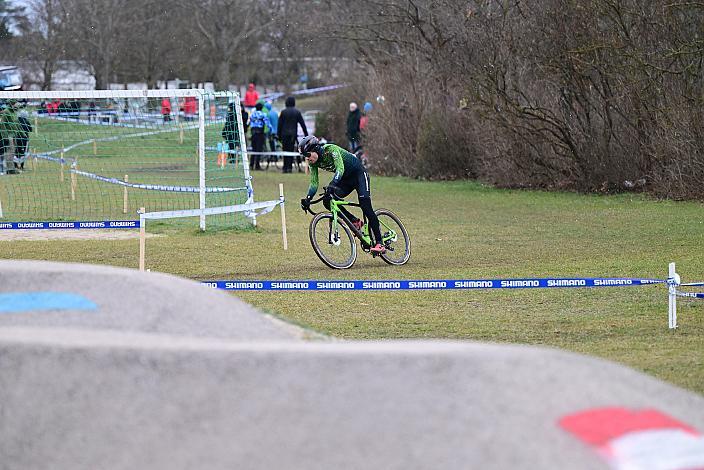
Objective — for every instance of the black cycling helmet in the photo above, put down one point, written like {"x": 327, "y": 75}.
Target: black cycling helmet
{"x": 308, "y": 144}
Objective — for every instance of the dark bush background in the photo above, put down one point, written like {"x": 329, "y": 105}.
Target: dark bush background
{"x": 590, "y": 95}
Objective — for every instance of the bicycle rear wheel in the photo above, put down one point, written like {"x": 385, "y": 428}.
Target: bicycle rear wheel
{"x": 336, "y": 249}
{"x": 394, "y": 237}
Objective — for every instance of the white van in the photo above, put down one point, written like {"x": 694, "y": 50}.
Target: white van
{"x": 10, "y": 78}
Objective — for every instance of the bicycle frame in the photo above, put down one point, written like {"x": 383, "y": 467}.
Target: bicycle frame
{"x": 335, "y": 204}
{"x": 337, "y": 213}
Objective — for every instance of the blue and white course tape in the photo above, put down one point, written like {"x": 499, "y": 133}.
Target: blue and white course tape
{"x": 308, "y": 285}
{"x": 70, "y": 224}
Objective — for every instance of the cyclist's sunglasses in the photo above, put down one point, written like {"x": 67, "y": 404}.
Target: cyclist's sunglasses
{"x": 306, "y": 154}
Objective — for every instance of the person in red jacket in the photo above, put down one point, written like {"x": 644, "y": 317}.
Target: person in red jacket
{"x": 251, "y": 97}
{"x": 166, "y": 109}
{"x": 190, "y": 106}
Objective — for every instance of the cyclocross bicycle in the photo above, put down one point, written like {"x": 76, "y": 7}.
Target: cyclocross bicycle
{"x": 332, "y": 235}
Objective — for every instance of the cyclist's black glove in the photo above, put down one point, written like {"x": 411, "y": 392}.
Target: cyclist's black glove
{"x": 305, "y": 204}
{"x": 330, "y": 191}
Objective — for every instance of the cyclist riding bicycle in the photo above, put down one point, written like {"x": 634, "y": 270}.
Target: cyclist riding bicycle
{"x": 349, "y": 175}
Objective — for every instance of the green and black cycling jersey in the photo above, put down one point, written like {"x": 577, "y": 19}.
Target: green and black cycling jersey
{"x": 334, "y": 158}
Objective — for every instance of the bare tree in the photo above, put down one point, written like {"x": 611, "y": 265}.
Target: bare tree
{"x": 593, "y": 95}
{"x": 99, "y": 29}
{"x": 45, "y": 36}
{"x": 155, "y": 44}
{"x": 9, "y": 16}
{"x": 227, "y": 26}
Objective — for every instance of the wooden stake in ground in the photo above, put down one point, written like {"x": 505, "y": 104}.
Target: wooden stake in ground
{"x": 180, "y": 133}
{"x": 73, "y": 182}
{"x": 283, "y": 215}
{"x": 95, "y": 147}
{"x": 142, "y": 238}
{"x": 125, "y": 202}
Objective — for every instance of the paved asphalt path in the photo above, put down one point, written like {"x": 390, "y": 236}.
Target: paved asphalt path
{"x": 166, "y": 374}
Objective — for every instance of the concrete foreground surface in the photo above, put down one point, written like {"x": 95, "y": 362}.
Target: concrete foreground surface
{"x": 154, "y": 380}
{"x": 128, "y": 300}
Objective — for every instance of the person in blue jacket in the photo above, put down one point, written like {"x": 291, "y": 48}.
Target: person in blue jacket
{"x": 258, "y": 122}
{"x": 273, "y": 125}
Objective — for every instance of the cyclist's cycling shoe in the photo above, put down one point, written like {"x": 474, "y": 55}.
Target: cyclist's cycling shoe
{"x": 358, "y": 224}
{"x": 378, "y": 249}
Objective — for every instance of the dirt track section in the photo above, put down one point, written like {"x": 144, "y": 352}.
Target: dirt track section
{"x": 166, "y": 374}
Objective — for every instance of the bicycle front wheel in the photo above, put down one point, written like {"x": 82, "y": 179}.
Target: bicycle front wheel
{"x": 394, "y": 237}
{"x": 334, "y": 246}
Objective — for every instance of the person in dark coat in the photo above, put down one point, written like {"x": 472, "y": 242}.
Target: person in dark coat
{"x": 229, "y": 132}
{"x": 353, "y": 126}
{"x": 245, "y": 120}
{"x": 21, "y": 140}
{"x": 289, "y": 119}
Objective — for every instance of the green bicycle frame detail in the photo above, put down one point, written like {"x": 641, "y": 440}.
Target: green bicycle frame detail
{"x": 335, "y": 204}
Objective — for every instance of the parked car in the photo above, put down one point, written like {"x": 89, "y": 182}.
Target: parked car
{"x": 10, "y": 78}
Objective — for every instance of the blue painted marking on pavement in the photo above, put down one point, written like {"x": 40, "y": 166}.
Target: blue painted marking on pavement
{"x": 29, "y": 301}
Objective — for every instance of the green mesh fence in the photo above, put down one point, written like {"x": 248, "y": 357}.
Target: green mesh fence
{"x": 101, "y": 155}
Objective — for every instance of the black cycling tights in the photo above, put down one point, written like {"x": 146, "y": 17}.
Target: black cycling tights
{"x": 366, "y": 204}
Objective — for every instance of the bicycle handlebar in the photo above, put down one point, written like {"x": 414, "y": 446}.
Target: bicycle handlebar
{"x": 321, "y": 198}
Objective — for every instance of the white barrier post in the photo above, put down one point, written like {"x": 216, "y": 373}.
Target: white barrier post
{"x": 283, "y": 215}
{"x": 125, "y": 201}
{"x": 673, "y": 280}
{"x": 142, "y": 237}
{"x": 201, "y": 158}
{"x": 74, "y": 180}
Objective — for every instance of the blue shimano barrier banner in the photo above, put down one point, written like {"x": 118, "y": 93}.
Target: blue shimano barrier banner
{"x": 430, "y": 284}
{"x": 70, "y": 225}
{"x": 693, "y": 295}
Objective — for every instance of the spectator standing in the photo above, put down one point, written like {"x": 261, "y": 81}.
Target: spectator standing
{"x": 166, "y": 109}
{"x": 229, "y": 132}
{"x": 353, "y": 121}
{"x": 22, "y": 139}
{"x": 364, "y": 120}
{"x": 258, "y": 121}
{"x": 274, "y": 123}
{"x": 251, "y": 96}
{"x": 91, "y": 111}
{"x": 190, "y": 107}
{"x": 76, "y": 109}
{"x": 289, "y": 119}
{"x": 245, "y": 120}
{"x": 53, "y": 107}
{"x": 9, "y": 125}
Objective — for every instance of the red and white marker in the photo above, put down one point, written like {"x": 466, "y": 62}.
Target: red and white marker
{"x": 638, "y": 439}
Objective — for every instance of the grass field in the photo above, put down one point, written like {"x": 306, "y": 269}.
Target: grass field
{"x": 463, "y": 230}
